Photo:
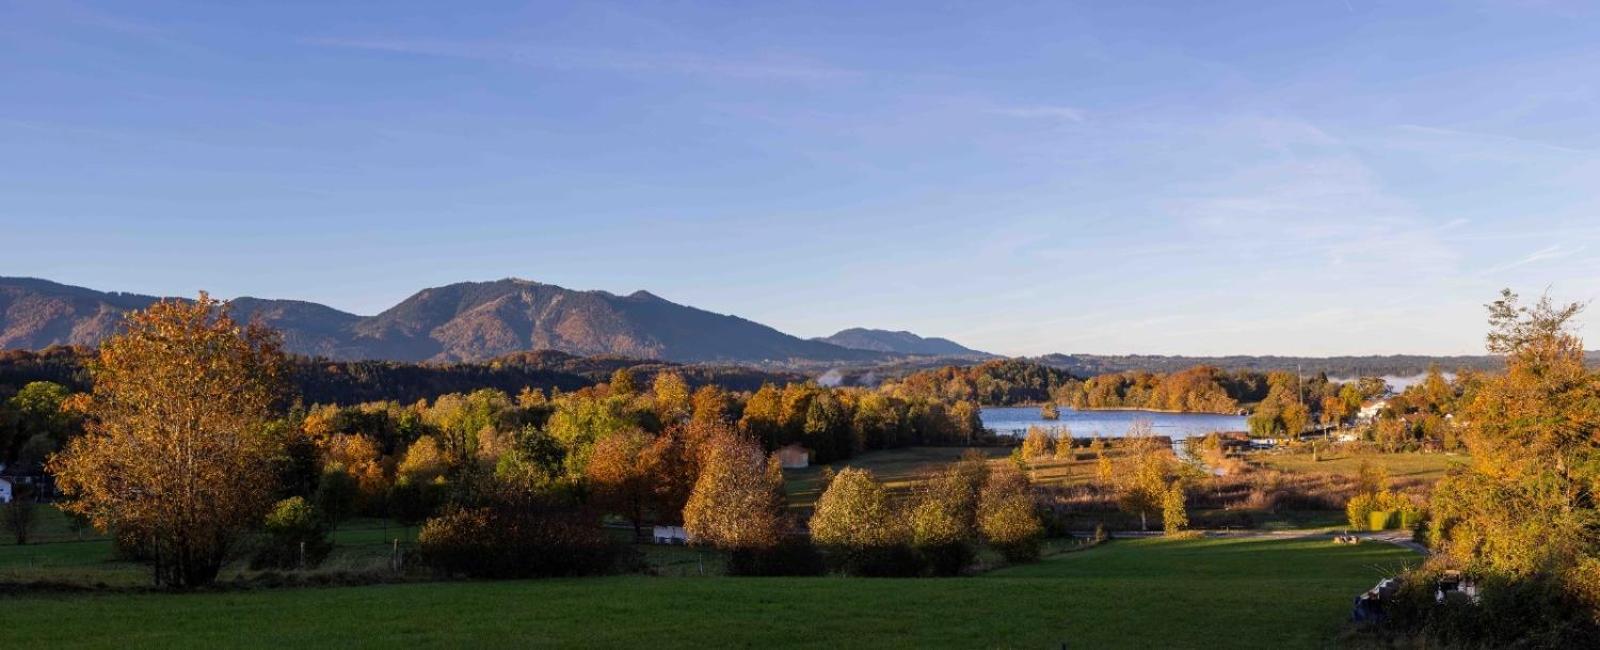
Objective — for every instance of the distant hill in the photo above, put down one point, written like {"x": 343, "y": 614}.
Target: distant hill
{"x": 900, "y": 343}
{"x": 469, "y": 321}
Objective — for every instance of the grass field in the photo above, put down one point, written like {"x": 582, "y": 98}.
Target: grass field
{"x": 1264, "y": 593}
{"x": 902, "y": 469}
{"x": 1401, "y": 466}
{"x": 899, "y": 469}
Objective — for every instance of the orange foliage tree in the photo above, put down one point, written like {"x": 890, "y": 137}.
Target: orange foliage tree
{"x": 177, "y": 454}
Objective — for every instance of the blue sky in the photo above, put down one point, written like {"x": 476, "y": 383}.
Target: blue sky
{"x": 1336, "y": 177}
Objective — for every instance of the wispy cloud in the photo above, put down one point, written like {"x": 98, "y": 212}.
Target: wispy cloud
{"x": 755, "y": 67}
{"x": 1059, "y": 113}
{"x": 1495, "y": 138}
{"x": 1552, "y": 252}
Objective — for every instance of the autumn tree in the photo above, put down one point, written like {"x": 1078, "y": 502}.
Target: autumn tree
{"x": 358, "y": 457}
{"x": 857, "y": 526}
{"x": 677, "y": 456}
{"x": 944, "y": 518}
{"x": 1037, "y": 444}
{"x": 1524, "y": 506}
{"x": 710, "y": 405}
{"x": 1142, "y": 479}
{"x": 175, "y": 454}
{"x": 621, "y": 475}
{"x": 1174, "y": 509}
{"x": 1105, "y": 470}
{"x": 670, "y": 397}
{"x": 1064, "y": 445}
{"x": 731, "y": 506}
{"x": 1006, "y": 516}
{"x": 622, "y": 383}
{"x": 763, "y": 416}
{"x": 423, "y": 462}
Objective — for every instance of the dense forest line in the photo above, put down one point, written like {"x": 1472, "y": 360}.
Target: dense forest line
{"x": 1402, "y": 365}
{"x": 319, "y": 381}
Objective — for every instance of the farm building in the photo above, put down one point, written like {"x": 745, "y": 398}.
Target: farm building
{"x": 1371, "y": 410}
{"x": 669, "y": 535}
{"x": 5, "y": 490}
{"x": 794, "y": 457}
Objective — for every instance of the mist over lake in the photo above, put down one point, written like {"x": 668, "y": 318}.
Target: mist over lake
{"x": 1109, "y": 424}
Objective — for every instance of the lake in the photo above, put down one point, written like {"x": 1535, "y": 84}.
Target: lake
{"x": 1109, "y": 424}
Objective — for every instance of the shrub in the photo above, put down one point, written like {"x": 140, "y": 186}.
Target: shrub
{"x": 296, "y": 537}
{"x": 1539, "y": 611}
{"x": 413, "y": 502}
{"x": 857, "y": 529}
{"x": 19, "y": 516}
{"x": 1174, "y": 516}
{"x": 1381, "y": 520}
{"x": 792, "y": 556}
{"x": 1037, "y": 444}
{"x": 1359, "y": 510}
{"x": 1006, "y": 517}
{"x": 943, "y": 522}
{"x": 517, "y": 538}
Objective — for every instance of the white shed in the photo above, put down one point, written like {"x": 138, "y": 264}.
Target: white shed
{"x": 670, "y": 535}
{"x": 5, "y": 490}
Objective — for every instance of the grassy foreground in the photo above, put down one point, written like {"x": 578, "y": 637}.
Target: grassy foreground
{"x": 1267, "y": 593}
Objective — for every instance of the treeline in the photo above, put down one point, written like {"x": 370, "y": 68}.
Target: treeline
{"x": 1404, "y": 365}
{"x": 351, "y": 382}
{"x": 1202, "y": 389}
{"x": 319, "y": 381}
{"x": 1003, "y": 382}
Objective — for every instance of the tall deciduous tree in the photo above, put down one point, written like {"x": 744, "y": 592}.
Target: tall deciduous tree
{"x": 732, "y": 506}
{"x": 622, "y": 475}
{"x": 1142, "y": 482}
{"x": 176, "y": 453}
{"x": 1525, "y": 506}
{"x": 854, "y": 514}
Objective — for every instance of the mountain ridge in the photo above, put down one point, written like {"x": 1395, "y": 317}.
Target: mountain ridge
{"x": 900, "y": 342}
{"x": 465, "y": 321}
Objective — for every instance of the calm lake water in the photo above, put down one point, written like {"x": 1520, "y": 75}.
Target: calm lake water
{"x": 1109, "y": 424}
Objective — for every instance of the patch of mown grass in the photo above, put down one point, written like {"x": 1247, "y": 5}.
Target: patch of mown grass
{"x": 1146, "y": 593}
{"x": 1402, "y": 466}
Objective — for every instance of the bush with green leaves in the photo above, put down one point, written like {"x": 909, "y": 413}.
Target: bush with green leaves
{"x": 296, "y": 536}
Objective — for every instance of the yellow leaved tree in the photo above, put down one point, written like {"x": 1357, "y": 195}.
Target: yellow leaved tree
{"x": 178, "y": 456}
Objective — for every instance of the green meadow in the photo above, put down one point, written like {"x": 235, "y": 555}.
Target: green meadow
{"x": 1243, "y": 592}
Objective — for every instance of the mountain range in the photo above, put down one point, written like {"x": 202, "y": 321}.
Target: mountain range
{"x": 471, "y": 321}
{"x": 901, "y": 343}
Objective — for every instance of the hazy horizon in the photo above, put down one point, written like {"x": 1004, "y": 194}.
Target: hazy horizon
{"x": 1347, "y": 178}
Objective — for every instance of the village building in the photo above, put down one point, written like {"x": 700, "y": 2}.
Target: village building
{"x": 794, "y": 456}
